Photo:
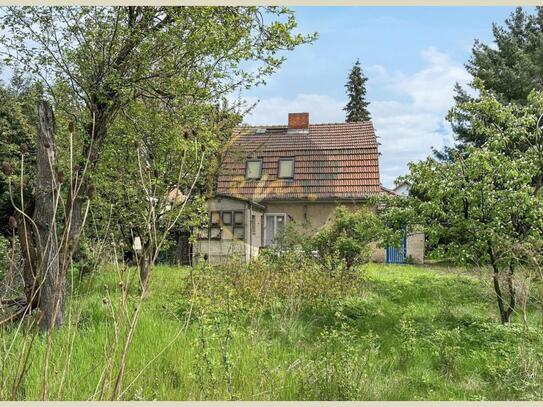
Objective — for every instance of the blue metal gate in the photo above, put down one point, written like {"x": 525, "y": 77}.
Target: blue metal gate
{"x": 398, "y": 254}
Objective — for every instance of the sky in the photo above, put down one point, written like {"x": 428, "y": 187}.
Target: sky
{"x": 412, "y": 56}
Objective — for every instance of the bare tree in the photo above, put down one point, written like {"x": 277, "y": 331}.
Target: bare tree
{"x": 39, "y": 223}
{"x": 50, "y": 274}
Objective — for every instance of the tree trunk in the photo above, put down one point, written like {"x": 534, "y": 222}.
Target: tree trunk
{"x": 51, "y": 277}
{"x": 505, "y": 314}
{"x": 497, "y": 289}
{"x": 145, "y": 269}
{"x": 512, "y": 293}
{"x": 182, "y": 254}
{"x": 95, "y": 131}
{"x": 74, "y": 222}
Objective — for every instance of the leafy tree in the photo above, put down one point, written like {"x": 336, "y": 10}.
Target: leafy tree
{"x": 487, "y": 202}
{"x": 152, "y": 156}
{"x": 357, "y": 107}
{"x": 163, "y": 68}
{"x": 105, "y": 58}
{"x": 17, "y": 132}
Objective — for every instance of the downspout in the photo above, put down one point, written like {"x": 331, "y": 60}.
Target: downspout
{"x": 251, "y": 230}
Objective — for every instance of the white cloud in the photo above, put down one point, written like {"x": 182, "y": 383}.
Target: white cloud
{"x": 407, "y": 126}
{"x": 321, "y": 108}
{"x": 432, "y": 87}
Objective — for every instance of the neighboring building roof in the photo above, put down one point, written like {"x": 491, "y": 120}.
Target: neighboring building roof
{"x": 402, "y": 188}
{"x": 338, "y": 161}
{"x": 389, "y": 191}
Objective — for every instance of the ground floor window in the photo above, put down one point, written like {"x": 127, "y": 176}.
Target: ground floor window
{"x": 274, "y": 224}
{"x": 232, "y": 223}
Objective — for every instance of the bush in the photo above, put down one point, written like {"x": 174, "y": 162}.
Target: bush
{"x": 285, "y": 283}
{"x": 341, "y": 366}
{"x": 346, "y": 239}
{"x": 290, "y": 239}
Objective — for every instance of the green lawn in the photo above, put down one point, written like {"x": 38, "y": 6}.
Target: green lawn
{"x": 409, "y": 333}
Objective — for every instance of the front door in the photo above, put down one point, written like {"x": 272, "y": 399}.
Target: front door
{"x": 274, "y": 224}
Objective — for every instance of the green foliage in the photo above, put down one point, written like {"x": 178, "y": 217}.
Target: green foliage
{"x": 510, "y": 67}
{"x": 483, "y": 205}
{"x": 4, "y": 256}
{"x": 408, "y": 333}
{"x": 357, "y": 107}
{"x": 346, "y": 238}
{"x": 151, "y": 51}
{"x": 290, "y": 280}
{"x": 487, "y": 203}
{"x": 148, "y": 155}
{"x": 16, "y": 131}
{"x": 339, "y": 367}
{"x": 290, "y": 238}
{"x": 145, "y": 90}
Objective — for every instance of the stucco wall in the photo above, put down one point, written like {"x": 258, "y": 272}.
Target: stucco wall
{"x": 415, "y": 247}
{"x": 312, "y": 216}
{"x": 253, "y": 237}
{"x": 309, "y": 216}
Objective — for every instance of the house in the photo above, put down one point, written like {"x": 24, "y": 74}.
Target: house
{"x": 402, "y": 188}
{"x": 300, "y": 172}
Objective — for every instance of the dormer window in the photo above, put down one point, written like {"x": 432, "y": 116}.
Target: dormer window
{"x": 253, "y": 169}
{"x": 286, "y": 168}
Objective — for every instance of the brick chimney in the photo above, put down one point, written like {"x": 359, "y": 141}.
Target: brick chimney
{"x": 298, "y": 121}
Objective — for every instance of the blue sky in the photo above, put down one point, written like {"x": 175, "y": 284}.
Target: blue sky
{"x": 412, "y": 56}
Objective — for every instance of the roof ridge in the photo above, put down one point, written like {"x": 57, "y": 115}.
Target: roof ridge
{"x": 251, "y": 126}
{"x": 341, "y": 123}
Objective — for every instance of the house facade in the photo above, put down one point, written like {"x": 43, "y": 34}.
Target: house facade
{"x": 296, "y": 173}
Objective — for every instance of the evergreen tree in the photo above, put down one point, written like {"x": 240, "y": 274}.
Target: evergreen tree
{"x": 510, "y": 69}
{"x": 356, "y": 89}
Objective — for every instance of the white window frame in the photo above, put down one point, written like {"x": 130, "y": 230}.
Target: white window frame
{"x": 275, "y": 215}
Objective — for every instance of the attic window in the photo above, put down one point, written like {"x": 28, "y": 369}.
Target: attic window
{"x": 253, "y": 169}
{"x": 286, "y": 168}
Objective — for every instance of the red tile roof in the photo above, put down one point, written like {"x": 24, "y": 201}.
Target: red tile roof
{"x": 337, "y": 161}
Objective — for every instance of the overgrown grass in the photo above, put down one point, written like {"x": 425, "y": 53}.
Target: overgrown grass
{"x": 388, "y": 333}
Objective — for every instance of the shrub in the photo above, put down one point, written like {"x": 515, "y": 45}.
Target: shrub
{"x": 286, "y": 283}
{"x": 346, "y": 239}
{"x": 290, "y": 239}
{"x": 341, "y": 366}
{"x": 448, "y": 347}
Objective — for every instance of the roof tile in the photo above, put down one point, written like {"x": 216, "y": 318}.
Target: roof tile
{"x": 332, "y": 161}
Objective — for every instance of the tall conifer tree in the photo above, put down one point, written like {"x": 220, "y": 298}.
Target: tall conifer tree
{"x": 356, "y": 108}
